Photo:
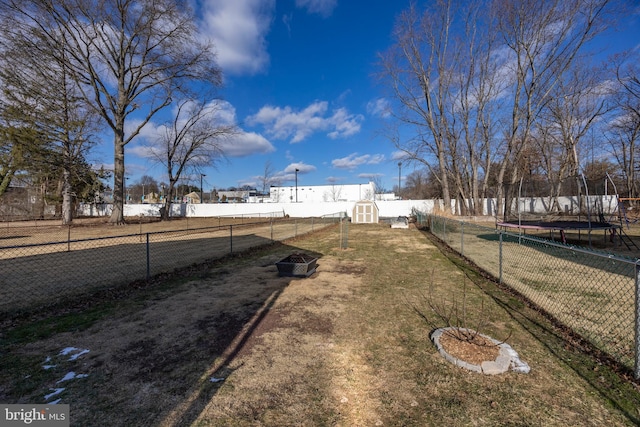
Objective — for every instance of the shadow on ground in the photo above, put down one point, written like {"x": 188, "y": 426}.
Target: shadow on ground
{"x": 156, "y": 355}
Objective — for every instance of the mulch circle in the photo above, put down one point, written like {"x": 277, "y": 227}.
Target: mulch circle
{"x": 477, "y": 352}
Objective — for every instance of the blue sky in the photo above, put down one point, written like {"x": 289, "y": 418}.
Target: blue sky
{"x": 299, "y": 80}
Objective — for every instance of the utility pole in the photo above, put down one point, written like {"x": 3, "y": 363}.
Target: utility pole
{"x": 297, "y": 170}
{"x": 201, "y": 199}
{"x": 399, "y": 175}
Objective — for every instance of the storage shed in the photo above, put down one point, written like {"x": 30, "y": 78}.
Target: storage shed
{"x": 365, "y": 212}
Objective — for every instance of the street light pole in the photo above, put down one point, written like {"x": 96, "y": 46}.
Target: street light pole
{"x": 399, "y": 175}
{"x": 201, "y": 199}
{"x": 297, "y": 170}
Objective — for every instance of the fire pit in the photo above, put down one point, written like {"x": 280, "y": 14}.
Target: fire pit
{"x": 297, "y": 265}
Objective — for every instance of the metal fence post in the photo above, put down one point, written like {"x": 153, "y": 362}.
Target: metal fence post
{"x": 148, "y": 259}
{"x": 346, "y": 233}
{"x": 462, "y": 238}
{"x": 231, "y": 239}
{"x": 636, "y": 371}
{"x": 271, "y": 228}
{"x": 500, "y": 258}
{"x": 444, "y": 229}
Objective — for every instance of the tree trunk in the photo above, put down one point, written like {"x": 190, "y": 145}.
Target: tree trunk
{"x": 117, "y": 215}
{"x": 67, "y": 215}
{"x": 165, "y": 211}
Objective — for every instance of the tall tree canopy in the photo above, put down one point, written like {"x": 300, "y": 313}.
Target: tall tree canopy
{"x": 40, "y": 99}
{"x": 128, "y": 58}
{"x": 472, "y": 81}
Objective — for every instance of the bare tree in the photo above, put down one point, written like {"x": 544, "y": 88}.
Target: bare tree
{"x": 143, "y": 187}
{"x": 267, "y": 177}
{"x": 333, "y": 194}
{"x": 475, "y": 99}
{"x": 472, "y": 101}
{"x": 191, "y": 141}
{"x": 379, "y": 187}
{"x": 577, "y": 102}
{"x": 624, "y": 127}
{"x": 127, "y": 56}
{"x": 416, "y": 70}
{"x": 542, "y": 43}
{"x": 40, "y": 95}
{"x": 446, "y": 88}
{"x": 418, "y": 186}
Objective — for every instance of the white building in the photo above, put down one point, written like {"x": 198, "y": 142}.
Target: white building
{"x": 323, "y": 193}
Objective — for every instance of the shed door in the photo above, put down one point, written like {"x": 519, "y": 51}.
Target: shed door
{"x": 364, "y": 213}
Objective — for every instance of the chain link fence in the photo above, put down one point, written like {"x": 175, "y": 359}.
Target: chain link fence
{"x": 48, "y": 264}
{"x": 593, "y": 293}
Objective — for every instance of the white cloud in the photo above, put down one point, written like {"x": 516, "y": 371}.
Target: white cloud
{"x": 379, "y": 107}
{"x": 352, "y": 161}
{"x": 241, "y": 144}
{"x": 370, "y": 176}
{"x": 323, "y": 8}
{"x": 246, "y": 144}
{"x": 285, "y": 123}
{"x": 146, "y": 151}
{"x": 399, "y": 155}
{"x": 286, "y": 20}
{"x": 301, "y": 166}
{"x": 345, "y": 124}
{"x": 238, "y": 29}
{"x": 289, "y": 173}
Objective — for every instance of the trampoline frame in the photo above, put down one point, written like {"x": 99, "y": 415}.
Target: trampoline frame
{"x": 562, "y": 227}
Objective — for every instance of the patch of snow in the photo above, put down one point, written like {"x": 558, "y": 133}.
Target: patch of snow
{"x": 75, "y": 356}
{"x": 56, "y": 391}
{"x": 69, "y": 376}
{"x": 78, "y": 352}
{"x": 67, "y": 350}
{"x": 75, "y": 353}
{"x": 72, "y": 375}
{"x": 517, "y": 365}
{"x": 216, "y": 380}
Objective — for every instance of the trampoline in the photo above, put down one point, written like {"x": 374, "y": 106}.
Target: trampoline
{"x": 560, "y": 226}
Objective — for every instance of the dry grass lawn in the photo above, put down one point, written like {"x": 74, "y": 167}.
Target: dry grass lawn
{"x": 237, "y": 345}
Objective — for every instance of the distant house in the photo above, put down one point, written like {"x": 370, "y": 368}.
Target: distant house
{"x": 237, "y": 196}
{"x": 22, "y": 202}
{"x": 151, "y": 198}
{"x": 192, "y": 197}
